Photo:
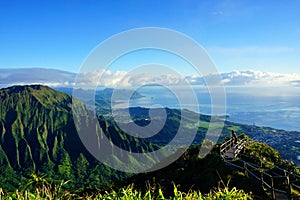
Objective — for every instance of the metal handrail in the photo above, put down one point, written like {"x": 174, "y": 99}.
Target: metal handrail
{"x": 251, "y": 168}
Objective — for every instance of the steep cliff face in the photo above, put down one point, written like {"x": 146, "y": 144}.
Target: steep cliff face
{"x": 36, "y": 127}
{"x": 38, "y": 135}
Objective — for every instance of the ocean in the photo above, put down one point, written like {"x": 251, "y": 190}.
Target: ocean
{"x": 277, "y": 107}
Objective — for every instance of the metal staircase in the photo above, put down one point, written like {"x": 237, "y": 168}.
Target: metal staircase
{"x": 278, "y": 183}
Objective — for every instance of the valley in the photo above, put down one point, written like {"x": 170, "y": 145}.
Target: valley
{"x": 38, "y": 136}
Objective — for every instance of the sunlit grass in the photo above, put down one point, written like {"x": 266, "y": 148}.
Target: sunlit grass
{"x": 44, "y": 190}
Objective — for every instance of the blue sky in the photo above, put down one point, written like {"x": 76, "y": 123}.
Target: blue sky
{"x": 238, "y": 35}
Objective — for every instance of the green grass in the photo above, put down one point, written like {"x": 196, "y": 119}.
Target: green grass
{"x": 49, "y": 192}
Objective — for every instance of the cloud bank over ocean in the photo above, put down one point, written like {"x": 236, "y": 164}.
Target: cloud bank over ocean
{"x": 59, "y": 78}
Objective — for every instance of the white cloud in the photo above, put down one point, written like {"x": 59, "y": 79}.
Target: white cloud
{"x": 56, "y": 78}
{"x": 102, "y": 77}
{"x": 25, "y": 76}
{"x": 258, "y": 78}
{"x": 296, "y": 83}
{"x": 251, "y": 78}
{"x": 125, "y": 79}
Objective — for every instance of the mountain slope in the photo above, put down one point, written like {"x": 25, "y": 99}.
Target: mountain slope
{"x": 38, "y": 135}
{"x": 33, "y": 125}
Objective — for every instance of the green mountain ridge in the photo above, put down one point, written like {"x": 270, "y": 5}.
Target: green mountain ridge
{"x": 38, "y": 136}
{"x": 30, "y": 136}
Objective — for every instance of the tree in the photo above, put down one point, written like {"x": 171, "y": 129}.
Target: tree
{"x": 81, "y": 169}
{"x": 65, "y": 168}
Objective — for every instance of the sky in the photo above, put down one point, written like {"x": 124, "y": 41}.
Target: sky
{"x": 237, "y": 34}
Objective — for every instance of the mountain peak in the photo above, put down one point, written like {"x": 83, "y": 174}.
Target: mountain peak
{"x": 36, "y": 127}
{"x": 21, "y": 88}
{"x": 20, "y": 95}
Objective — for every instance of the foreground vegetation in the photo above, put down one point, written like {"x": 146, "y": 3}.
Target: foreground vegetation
{"x": 49, "y": 192}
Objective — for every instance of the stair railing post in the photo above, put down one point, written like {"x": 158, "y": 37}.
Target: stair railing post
{"x": 273, "y": 189}
{"x": 289, "y": 185}
{"x": 245, "y": 168}
{"x": 262, "y": 177}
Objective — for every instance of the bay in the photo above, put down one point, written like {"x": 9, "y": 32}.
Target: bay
{"x": 277, "y": 107}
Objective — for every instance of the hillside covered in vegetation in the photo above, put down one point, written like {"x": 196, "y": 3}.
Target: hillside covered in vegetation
{"x": 41, "y": 154}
